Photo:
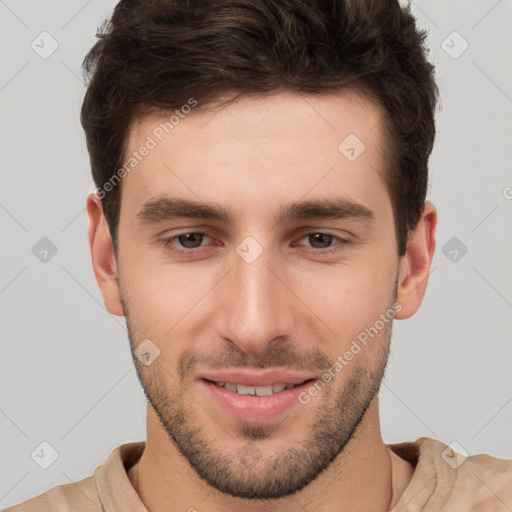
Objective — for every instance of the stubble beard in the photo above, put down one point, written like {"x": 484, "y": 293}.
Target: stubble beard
{"x": 245, "y": 472}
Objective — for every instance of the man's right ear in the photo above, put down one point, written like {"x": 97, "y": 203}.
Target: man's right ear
{"x": 103, "y": 257}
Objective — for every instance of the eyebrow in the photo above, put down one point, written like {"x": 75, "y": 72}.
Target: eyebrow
{"x": 165, "y": 208}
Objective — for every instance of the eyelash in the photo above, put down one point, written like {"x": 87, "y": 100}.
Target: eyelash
{"x": 168, "y": 242}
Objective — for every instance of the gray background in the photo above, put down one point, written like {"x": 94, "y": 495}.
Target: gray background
{"x": 66, "y": 372}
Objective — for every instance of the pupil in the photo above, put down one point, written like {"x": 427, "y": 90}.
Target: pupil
{"x": 187, "y": 240}
{"x": 327, "y": 239}
{"x": 192, "y": 240}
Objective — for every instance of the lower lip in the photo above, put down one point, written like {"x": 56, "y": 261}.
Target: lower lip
{"x": 251, "y": 408}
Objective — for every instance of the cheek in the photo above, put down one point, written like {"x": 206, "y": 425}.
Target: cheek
{"x": 163, "y": 296}
{"x": 348, "y": 298}
{"x": 170, "y": 300}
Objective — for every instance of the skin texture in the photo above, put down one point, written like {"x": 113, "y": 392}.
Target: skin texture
{"x": 294, "y": 307}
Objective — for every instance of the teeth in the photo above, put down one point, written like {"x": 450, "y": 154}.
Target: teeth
{"x": 231, "y": 387}
{"x": 245, "y": 390}
{"x": 263, "y": 390}
{"x": 254, "y": 390}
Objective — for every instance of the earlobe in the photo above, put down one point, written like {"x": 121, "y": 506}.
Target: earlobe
{"x": 415, "y": 264}
{"x": 103, "y": 257}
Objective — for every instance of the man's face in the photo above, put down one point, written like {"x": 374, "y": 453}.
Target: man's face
{"x": 256, "y": 292}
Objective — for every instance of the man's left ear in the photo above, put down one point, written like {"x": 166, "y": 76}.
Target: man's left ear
{"x": 415, "y": 264}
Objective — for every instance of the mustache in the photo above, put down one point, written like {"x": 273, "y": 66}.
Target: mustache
{"x": 277, "y": 355}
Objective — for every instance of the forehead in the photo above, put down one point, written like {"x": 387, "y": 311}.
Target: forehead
{"x": 259, "y": 148}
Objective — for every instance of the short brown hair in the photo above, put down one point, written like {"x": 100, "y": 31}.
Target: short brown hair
{"x": 161, "y": 53}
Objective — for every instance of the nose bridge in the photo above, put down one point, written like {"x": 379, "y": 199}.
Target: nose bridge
{"x": 253, "y": 310}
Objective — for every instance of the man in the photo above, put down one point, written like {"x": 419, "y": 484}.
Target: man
{"x": 260, "y": 220}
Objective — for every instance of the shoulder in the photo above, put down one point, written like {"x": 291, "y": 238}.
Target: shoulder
{"x": 108, "y": 488}
{"x": 77, "y": 497}
{"x": 446, "y": 479}
{"x": 487, "y": 479}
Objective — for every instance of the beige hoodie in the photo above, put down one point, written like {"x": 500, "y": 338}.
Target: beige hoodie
{"x": 443, "y": 481}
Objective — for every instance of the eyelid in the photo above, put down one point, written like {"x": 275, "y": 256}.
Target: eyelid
{"x": 339, "y": 243}
{"x": 168, "y": 241}
{"x": 337, "y": 237}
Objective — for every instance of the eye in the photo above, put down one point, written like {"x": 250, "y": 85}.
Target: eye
{"x": 186, "y": 242}
{"x": 191, "y": 242}
{"x": 322, "y": 242}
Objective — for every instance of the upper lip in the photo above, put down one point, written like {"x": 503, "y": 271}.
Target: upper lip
{"x": 252, "y": 377}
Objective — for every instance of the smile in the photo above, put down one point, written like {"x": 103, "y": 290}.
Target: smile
{"x": 241, "y": 389}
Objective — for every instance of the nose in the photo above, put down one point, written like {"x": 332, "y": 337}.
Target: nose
{"x": 254, "y": 306}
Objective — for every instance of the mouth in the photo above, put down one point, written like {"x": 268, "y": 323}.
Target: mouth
{"x": 267, "y": 390}
{"x": 252, "y": 403}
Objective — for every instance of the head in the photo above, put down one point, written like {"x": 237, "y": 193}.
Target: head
{"x": 261, "y": 172}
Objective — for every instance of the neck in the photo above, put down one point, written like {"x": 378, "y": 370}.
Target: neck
{"x": 365, "y": 476}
